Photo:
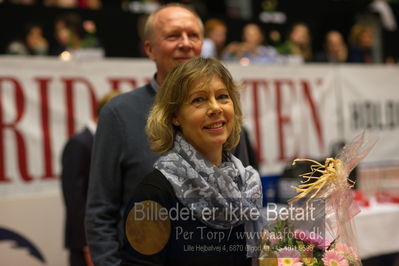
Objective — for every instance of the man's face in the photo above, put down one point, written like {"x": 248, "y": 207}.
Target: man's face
{"x": 176, "y": 38}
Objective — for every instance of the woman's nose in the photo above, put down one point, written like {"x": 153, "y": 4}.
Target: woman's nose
{"x": 214, "y": 107}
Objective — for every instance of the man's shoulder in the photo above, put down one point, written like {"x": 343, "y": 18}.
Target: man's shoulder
{"x": 82, "y": 136}
{"x": 137, "y": 99}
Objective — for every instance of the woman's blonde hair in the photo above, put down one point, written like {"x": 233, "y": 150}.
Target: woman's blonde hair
{"x": 174, "y": 91}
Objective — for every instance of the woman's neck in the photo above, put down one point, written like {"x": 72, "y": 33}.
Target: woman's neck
{"x": 213, "y": 156}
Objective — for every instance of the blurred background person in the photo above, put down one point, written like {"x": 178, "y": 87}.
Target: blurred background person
{"x": 251, "y": 49}
{"x": 61, "y": 3}
{"x": 90, "y": 4}
{"x": 68, "y": 33}
{"x": 215, "y": 37}
{"x": 32, "y": 42}
{"x": 75, "y": 164}
{"x": 275, "y": 39}
{"x": 23, "y": 2}
{"x": 90, "y": 39}
{"x": 298, "y": 42}
{"x": 72, "y": 33}
{"x": 335, "y": 49}
{"x": 361, "y": 40}
{"x": 84, "y": 4}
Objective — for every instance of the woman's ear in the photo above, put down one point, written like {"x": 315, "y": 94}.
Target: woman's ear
{"x": 175, "y": 121}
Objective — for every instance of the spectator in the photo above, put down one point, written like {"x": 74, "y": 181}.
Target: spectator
{"x": 69, "y": 33}
{"x": 23, "y": 2}
{"x": 335, "y": 49}
{"x": 361, "y": 39}
{"x": 298, "y": 42}
{"x": 251, "y": 50}
{"x": 72, "y": 33}
{"x": 90, "y": 4}
{"x": 275, "y": 38}
{"x": 33, "y": 42}
{"x": 61, "y": 3}
{"x": 215, "y": 37}
{"x": 76, "y": 158}
{"x": 90, "y": 39}
{"x": 84, "y": 4}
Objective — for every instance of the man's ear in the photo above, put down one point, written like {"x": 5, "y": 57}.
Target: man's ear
{"x": 148, "y": 49}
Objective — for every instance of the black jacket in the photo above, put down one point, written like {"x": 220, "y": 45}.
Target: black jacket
{"x": 74, "y": 180}
{"x": 190, "y": 241}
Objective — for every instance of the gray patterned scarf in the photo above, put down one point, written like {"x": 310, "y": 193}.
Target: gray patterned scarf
{"x": 199, "y": 184}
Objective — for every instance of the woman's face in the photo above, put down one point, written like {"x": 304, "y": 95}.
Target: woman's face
{"x": 61, "y": 33}
{"x": 206, "y": 117}
{"x": 218, "y": 35}
{"x": 300, "y": 34}
{"x": 252, "y": 34}
{"x": 366, "y": 38}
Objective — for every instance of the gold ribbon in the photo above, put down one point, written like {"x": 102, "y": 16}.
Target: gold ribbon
{"x": 331, "y": 174}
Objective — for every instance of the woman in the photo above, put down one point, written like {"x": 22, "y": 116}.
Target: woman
{"x": 215, "y": 37}
{"x": 361, "y": 39}
{"x": 335, "y": 49}
{"x": 251, "y": 50}
{"x": 298, "y": 43}
{"x": 194, "y": 208}
{"x": 32, "y": 42}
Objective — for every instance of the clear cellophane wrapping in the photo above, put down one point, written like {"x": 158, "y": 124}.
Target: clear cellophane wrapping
{"x": 327, "y": 189}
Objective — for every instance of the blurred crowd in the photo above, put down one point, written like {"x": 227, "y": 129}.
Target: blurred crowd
{"x": 71, "y": 33}
{"x": 259, "y": 44}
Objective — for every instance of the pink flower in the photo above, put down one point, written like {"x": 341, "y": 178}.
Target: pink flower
{"x": 342, "y": 248}
{"x": 332, "y": 258}
{"x": 275, "y": 239}
{"x": 302, "y": 235}
{"x": 346, "y": 251}
{"x": 320, "y": 242}
{"x": 312, "y": 238}
{"x": 288, "y": 257}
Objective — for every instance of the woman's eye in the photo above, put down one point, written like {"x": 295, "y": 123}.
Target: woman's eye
{"x": 223, "y": 96}
{"x": 197, "y": 100}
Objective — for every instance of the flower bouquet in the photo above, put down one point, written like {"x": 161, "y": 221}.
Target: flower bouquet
{"x": 317, "y": 228}
{"x": 302, "y": 247}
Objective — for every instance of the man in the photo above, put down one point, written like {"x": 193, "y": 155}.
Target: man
{"x": 74, "y": 179}
{"x": 75, "y": 162}
{"x": 121, "y": 154}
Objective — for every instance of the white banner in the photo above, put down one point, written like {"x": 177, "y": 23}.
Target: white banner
{"x": 43, "y": 102}
{"x": 370, "y": 100}
{"x": 290, "y": 111}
